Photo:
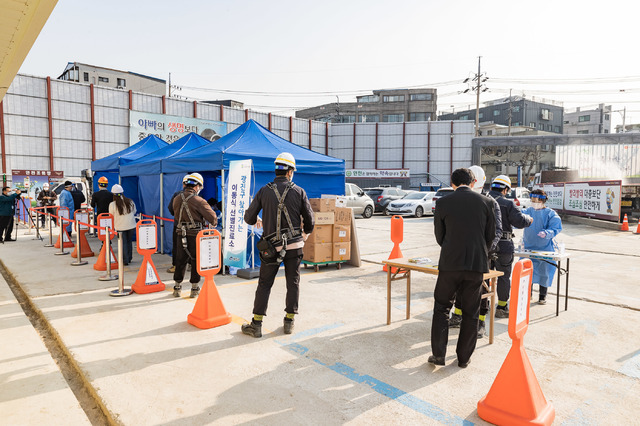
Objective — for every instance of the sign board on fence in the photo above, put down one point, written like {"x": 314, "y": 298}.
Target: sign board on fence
{"x": 103, "y": 224}
{"x": 555, "y": 195}
{"x": 170, "y": 128}
{"x": 597, "y": 199}
{"x": 376, "y": 173}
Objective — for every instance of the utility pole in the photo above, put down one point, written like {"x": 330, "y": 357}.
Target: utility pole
{"x": 169, "y": 84}
{"x": 509, "y": 131}
{"x": 478, "y": 98}
{"x": 624, "y": 118}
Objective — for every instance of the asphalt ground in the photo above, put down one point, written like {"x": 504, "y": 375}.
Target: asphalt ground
{"x": 137, "y": 361}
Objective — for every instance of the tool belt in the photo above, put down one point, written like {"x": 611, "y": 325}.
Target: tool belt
{"x": 268, "y": 244}
{"x": 507, "y": 236}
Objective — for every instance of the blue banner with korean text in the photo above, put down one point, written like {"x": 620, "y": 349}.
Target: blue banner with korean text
{"x": 237, "y": 201}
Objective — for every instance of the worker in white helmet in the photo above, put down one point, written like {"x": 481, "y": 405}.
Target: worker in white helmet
{"x": 192, "y": 213}
{"x": 286, "y": 213}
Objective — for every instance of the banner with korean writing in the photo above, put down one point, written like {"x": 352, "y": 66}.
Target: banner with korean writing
{"x": 170, "y": 128}
{"x": 238, "y": 190}
{"x": 375, "y": 173}
{"x": 597, "y": 199}
{"x": 555, "y": 195}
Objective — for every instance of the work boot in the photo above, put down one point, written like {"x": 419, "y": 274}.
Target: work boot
{"x": 254, "y": 329}
{"x": 172, "y": 269}
{"x": 542, "y": 301}
{"x": 481, "y": 329}
{"x": 176, "y": 290}
{"x": 195, "y": 291}
{"x": 288, "y": 325}
{"x": 455, "y": 320}
{"x": 502, "y": 312}
{"x": 435, "y": 360}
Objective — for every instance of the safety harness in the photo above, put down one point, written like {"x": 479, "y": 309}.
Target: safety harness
{"x": 279, "y": 237}
{"x": 184, "y": 226}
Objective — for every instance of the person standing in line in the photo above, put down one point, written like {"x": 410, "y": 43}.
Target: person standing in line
{"x": 66, "y": 200}
{"x": 464, "y": 227}
{"x": 47, "y": 199}
{"x": 174, "y": 241}
{"x": 123, "y": 210}
{"x": 78, "y": 198}
{"x": 191, "y": 214}
{"x": 7, "y": 203}
{"x": 540, "y": 236}
{"x": 456, "y": 317}
{"x": 100, "y": 200}
{"x": 286, "y": 213}
{"x": 511, "y": 218}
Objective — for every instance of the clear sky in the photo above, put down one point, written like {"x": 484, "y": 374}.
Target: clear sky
{"x": 292, "y": 54}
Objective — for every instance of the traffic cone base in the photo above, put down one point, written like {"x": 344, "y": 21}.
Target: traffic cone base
{"x": 209, "y": 310}
{"x": 638, "y": 228}
{"x": 148, "y": 280}
{"x": 101, "y": 262}
{"x": 515, "y": 398}
{"x": 396, "y": 253}
{"x": 625, "y": 223}
{"x": 67, "y": 240}
{"x": 86, "y": 248}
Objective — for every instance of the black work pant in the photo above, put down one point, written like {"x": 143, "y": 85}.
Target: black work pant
{"x": 5, "y": 227}
{"x": 182, "y": 258}
{"x": 503, "y": 263}
{"x": 265, "y": 281}
{"x": 484, "y": 303}
{"x": 468, "y": 285}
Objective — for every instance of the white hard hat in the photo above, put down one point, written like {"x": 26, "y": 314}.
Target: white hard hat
{"x": 45, "y": 185}
{"x": 117, "y": 189}
{"x": 501, "y": 181}
{"x": 481, "y": 178}
{"x": 193, "y": 179}
{"x": 285, "y": 161}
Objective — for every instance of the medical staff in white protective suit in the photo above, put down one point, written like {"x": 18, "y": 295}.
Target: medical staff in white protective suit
{"x": 539, "y": 236}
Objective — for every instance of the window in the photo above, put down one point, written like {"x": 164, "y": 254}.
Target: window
{"x": 122, "y": 82}
{"x": 516, "y": 108}
{"x": 498, "y": 168}
{"x": 532, "y": 125}
{"x": 540, "y": 126}
{"x": 393, "y": 118}
{"x": 369, "y": 118}
{"x": 545, "y": 114}
{"x": 565, "y": 122}
{"x": 496, "y": 112}
{"x": 606, "y": 131}
{"x": 464, "y": 117}
{"x": 367, "y": 99}
{"x": 583, "y": 132}
{"x": 556, "y": 129}
{"x": 517, "y": 123}
{"x": 421, "y": 97}
{"x": 549, "y": 127}
{"x": 394, "y": 98}
{"x": 346, "y": 119}
{"x": 489, "y": 132}
{"x": 86, "y": 76}
{"x": 584, "y": 118}
{"x": 419, "y": 116}
{"x": 606, "y": 117}
{"x": 103, "y": 79}
{"x": 481, "y": 115}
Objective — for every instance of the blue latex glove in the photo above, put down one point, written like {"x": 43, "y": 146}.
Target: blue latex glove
{"x": 542, "y": 234}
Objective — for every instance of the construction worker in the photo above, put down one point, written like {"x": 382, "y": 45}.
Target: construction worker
{"x": 511, "y": 218}
{"x": 191, "y": 215}
{"x": 100, "y": 200}
{"x": 47, "y": 199}
{"x": 456, "y": 317}
{"x": 283, "y": 205}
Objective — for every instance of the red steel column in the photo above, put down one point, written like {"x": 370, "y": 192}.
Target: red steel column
{"x": 195, "y": 109}
{"x": 451, "y": 150}
{"x": 221, "y": 112}
{"x": 326, "y": 138}
{"x": 428, "y": 149}
{"x": 164, "y": 104}
{"x": 2, "y": 144}
{"x": 291, "y": 129}
{"x": 309, "y": 133}
{"x": 376, "y": 163}
{"x": 246, "y": 115}
{"x": 269, "y": 121}
{"x": 130, "y": 100}
{"x": 50, "y": 123}
{"x": 353, "y": 162}
{"x": 93, "y": 123}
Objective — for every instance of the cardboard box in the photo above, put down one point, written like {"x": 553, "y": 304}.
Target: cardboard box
{"x": 321, "y": 252}
{"x": 341, "y": 200}
{"x": 320, "y": 234}
{"x": 324, "y": 218}
{"x": 323, "y": 204}
{"x": 341, "y": 233}
{"x": 341, "y": 251}
{"x": 342, "y": 216}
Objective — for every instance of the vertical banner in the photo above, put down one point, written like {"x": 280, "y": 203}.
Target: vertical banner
{"x": 238, "y": 190}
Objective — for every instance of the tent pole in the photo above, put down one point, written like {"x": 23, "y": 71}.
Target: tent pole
{"x": 224, "y": 205}
{"x": 161, "y": 212}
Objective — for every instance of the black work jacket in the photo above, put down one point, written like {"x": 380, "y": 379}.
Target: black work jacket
{"x": 297, "y": 205}
{"x": 511, "y": 218}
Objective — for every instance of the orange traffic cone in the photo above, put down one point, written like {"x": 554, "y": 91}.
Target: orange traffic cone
{"x": 148, "y": 280}
{"x": 67, "y": 240}
{"x": 638, "y": 228}
{"x": 209, "y": 310}
{"x": 625, "y": 223}
{"x": 101, "y": 263}
{"x": 397, "y": 235}
{"x": 86, "y": 249}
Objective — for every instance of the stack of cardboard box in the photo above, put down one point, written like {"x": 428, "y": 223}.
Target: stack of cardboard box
{"x": 331, "y": 236}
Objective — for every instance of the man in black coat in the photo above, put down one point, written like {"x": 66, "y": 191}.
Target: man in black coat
{"x": 464, "y": 226}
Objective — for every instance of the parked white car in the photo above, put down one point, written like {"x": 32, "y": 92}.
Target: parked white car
{"x": 520, "y": 196}
{"x": 414, "y": 203}
{"x": 360, "y": 202}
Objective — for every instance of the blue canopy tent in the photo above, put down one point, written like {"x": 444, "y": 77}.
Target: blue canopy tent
{"x": 317, "y": 173}
{"x": 110, "y": 166}
{"x": 144, "y": 174}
